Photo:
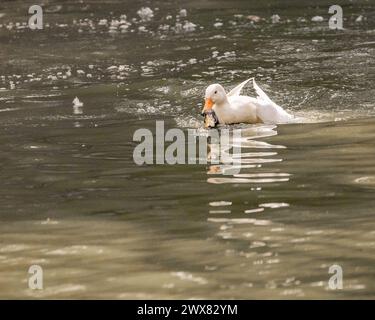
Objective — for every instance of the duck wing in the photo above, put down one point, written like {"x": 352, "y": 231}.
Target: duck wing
{"x": 261, "y": 94}
{"x": 237, "y": 90}
{"x": 267, "y": 110}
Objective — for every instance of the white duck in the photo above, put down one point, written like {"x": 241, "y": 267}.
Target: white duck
{"x": 235, "y": 108}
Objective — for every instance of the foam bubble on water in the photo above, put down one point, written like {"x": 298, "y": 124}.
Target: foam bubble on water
{"x": 7, "y": 109}
{"x": 240, "y": 221}
{"x": 145, "y": 13}
{"x": 254, "y": 18}
{"x": 142, "y": 29}
{"x": 49, "y": 222}
{"x": 186, "y": 276}
{"x": 274, "y": 205}
{"x": 67, "y": 288}
{"x": 275, "y": 18}
{"x": 257, "y": 210}
{"x": 183, "y": 13}
{"x": 359, "y": 19}
{"x": 189, "y": 26}
{"x": 355, "y": 286}
{"x": 14, "y": 247}
{"x": 257, "y": 244}
{"x": 225, "y": 235}
{"x": 77, "y": 102}
{"x": 317, "y": 19}
{"x": 219, "y": 211}
{"x": 220, "y": 203}
{"x": 293, "y": 292}
{"x": 368, "y": 180}
{"x": 318, "y": 284}
{"x": 72, "y": 250}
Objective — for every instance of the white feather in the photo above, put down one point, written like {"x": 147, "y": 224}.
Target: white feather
{"x": 267, "y": 110}
{"x": 235, "y": 108}
{"x": 237, "y": 90}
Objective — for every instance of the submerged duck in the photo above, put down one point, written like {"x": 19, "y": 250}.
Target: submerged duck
{"x": 233, "y": 107}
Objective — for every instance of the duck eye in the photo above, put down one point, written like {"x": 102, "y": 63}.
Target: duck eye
{"x": 215, "y": 92}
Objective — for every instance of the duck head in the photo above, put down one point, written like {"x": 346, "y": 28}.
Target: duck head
{"x": 215, "y": 94}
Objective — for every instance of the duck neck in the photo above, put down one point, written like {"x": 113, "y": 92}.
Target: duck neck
{"x": 221, "y": 110}
{"x": 223, "y": 104}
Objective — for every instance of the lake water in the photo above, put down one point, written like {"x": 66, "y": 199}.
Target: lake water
{"x": 73, "y": 201}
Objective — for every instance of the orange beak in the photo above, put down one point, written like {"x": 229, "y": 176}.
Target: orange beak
{"x": 208, "y": 104}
